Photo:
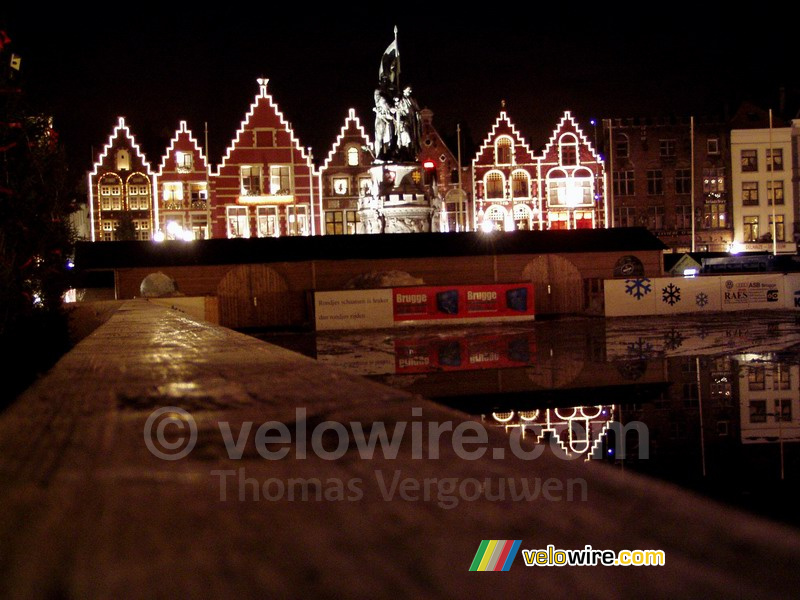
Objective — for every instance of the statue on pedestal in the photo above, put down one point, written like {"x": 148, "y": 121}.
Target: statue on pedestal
{"x": 398, "y": 126}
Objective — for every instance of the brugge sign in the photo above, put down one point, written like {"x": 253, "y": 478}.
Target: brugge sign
{"x": 373, "y": 309}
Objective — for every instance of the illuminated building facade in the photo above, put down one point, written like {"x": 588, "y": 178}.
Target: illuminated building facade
{"x": 121, "y": 187}
{"x": 183, "y": 189}
{"x": 561, "y": 188}
{"x": 764, "y": 195}
{"x": 264, "y": 186}
{"x": 343, "y": 176}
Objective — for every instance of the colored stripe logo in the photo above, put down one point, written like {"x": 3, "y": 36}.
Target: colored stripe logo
{"x": 495, "y": 555}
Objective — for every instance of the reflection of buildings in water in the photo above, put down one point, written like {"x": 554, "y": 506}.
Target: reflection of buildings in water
{"x": 769, "y": 399}
{"x": 579, "y": 430}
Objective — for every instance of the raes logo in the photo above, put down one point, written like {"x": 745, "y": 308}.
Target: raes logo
{"x": 495, "y": 555}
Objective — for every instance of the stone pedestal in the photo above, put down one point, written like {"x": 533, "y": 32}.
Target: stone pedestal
{"x": 400, "y": 200}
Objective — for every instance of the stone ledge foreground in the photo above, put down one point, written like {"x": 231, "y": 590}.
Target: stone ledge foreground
{"x": 86, "y": 511}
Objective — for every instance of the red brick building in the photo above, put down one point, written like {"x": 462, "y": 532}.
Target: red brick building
{"x": 265, "y": 184}
{"x": 561, "y": 188}
{"x": 571, "y": 180}
{"x": 457, "y": 199}
{"x": 653, "y": 179}
{"x": 343, "y": 177}
{"x": 504, "y": 172}
{"x": 183, "y": 189}
{"x": 121, "y": 190}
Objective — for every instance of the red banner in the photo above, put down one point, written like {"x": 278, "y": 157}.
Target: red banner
{"x": 464, "y": 353}
{"x": 478, "y": 302}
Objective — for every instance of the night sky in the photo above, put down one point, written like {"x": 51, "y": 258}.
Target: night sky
{"x": 156, "y": 69}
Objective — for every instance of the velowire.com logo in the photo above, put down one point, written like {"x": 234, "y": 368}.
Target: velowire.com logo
{"x": 495, "y": 555}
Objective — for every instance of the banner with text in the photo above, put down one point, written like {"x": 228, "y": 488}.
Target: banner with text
{"x": 372, "y": 309}
{"x": 707, "y": 293}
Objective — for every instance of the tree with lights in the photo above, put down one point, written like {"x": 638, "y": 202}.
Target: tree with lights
{"x": 35, "y": 231}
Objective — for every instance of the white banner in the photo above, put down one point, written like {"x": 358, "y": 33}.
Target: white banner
{"x": 747, "y": 292}
{"x": 354, "y": 309}
{"x": 707, "y": 293}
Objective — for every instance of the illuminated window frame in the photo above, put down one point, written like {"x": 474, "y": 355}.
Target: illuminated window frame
{"x": 251, "y": 180}
{"x": 520, "y": 175}
{"x": 491, "y": 190}
{"x": 353, "y": 156}
{"x": 568, "y": 150}
{"x": 280, "y": 180}
{"x": 504, "y": 150}
{"x": 237, "y": 221}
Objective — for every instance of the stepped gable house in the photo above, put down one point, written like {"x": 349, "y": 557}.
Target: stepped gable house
{"x": 121, "y": 187}
{"x": 183, "y": 192}
{"x": 264, "y": 185}
{"x": 343, "y": 177}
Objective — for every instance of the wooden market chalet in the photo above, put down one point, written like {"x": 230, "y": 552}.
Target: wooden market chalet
{"x": 267, "y": 184}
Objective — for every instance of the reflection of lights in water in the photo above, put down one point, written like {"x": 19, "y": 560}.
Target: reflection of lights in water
{"x": 578, "y": 430}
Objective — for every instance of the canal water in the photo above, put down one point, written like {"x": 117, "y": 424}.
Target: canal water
{"x": 709, "y": 403}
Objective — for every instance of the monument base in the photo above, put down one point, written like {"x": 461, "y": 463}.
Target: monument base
{"x": 401, "y": 199}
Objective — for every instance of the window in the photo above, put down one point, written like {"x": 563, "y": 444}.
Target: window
{"x": 568, "y": 149}
{"x": 267, "y": 221}
{"x": 503, "y": 151}
{"x": 519, "y": 185}
{"x": 749, "y": 160}
{"x": 780, "y": 378}
{"x": 750, "y": 229}
{"x": 172, "y": 196}
{"x": 655, "y": 182}
{"x": 297, "y": 220}
{"x": 783, "y": 409}
{"x": 352, "y": 156}
{"x": 183, "y": 161}
{"x": 577, "y": 190}
{"x": 494, "y": 185}
{"x": 198, "y": 195}
{"x": 341, "y": 185}
{"x": 199, "y": 225}
{"x": 622, "y": 146}
{"x": 779, "y": 230}
{"x": 251, "y": 181}
{"x": 142, "y": 229}
{"x": 123, "y": 160}
{"x": 237, "y": 222}
{"x": 775, "y": 192}
{"x": 655, "y": 217}
{"x": 625, "y": 216}
{"x": 715, "y": 216}
{"x": 683, "y": 217}
{"x": 364, "y": 185}
{"x": 775, "y": 159}
{"x": 683, "y": 181}
{"x": 712, "y": 145}
{"x": 138, "y": 192}
{"x": 280, "y": 180}
{"x": 750, "y": 193}
{"x": 334, "y": 222}
{"x": 758, "y": 411}
{"x": 351, "y": 221}
{"x": 666, "y": 148}
{"x": 690, "y": 395}
{"x": 714, "y": 181}
{"x": 522, "y": 217}
{"x": 623, "y": 183}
